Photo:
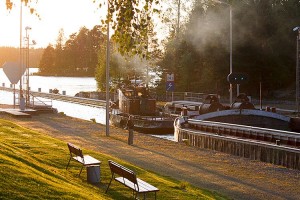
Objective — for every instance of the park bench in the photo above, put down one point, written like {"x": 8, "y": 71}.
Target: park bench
{"x": 77, "y": 155}
{"x": 129, "y": 179}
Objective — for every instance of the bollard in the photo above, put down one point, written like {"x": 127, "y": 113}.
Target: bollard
{"x": 39, "y": 90}
{"x": 184, "y": 111}
{"x": 268, "y": 109}
{"x": 63, "y": 92}
{"x": 277, "y": 142}
{"x": 50, "y": 90}
{"x": 3, "y": 84}
{"x": 273, "y": 109}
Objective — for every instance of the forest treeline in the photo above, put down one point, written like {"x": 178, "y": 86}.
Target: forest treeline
{"x": 264, "y": 46}
{"x": 12, "y": 54}
{"x": 77, "y": 56}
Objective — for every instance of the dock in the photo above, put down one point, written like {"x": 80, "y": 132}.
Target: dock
{"x": 61, "y": 97}
{"x": 16, "y": 113}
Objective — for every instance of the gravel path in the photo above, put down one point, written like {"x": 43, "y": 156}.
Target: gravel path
{"x": 235, "y": 177}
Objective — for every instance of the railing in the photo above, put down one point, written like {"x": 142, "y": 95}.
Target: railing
{"x": 249, "y": 148}
{"x": 36, "y": 102}
{"x": 188, "y": 96}
{"x": 257, "y": 133}
{"x": 59, "y": 97}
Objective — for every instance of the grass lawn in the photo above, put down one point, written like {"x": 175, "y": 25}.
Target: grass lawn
{"x": 33, "y": 166}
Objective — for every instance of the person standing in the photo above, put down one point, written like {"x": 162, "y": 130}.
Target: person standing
{"x": 130, "y": 126}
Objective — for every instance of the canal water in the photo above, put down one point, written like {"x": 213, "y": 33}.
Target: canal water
{"x": 71, "y": 85}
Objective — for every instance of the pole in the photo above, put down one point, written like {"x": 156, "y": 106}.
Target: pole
{"x": 20, "y": 61}
{"x": 27, "y": 70}
{"x": 297, "y": 74}
{"x": 260, "y": 95}
{"x": 230, "y": 18}
{"x": 107, "y": 73}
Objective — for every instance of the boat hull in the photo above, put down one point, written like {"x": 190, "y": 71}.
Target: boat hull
{"x": 149, "y": 125}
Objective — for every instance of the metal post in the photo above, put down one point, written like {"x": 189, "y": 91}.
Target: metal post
{"x": 27, "y": 67}
{"x": 297, "y": 75}
{"x": 260, "y": 95}
{"x": 297, "y": 68}
{"x": 107, "y": 73}
{"x": 230, "y": 39}
{"x": 20, "y": 61}
{"x": 230, "y": 13}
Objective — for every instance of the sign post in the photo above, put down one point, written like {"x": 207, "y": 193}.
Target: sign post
{"x": 12, "y": 71}
{"x": 170, "y": 85}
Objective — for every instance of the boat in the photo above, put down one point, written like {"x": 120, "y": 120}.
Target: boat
{"x": 137, "y": 102}
{"x": 191, "y": 108}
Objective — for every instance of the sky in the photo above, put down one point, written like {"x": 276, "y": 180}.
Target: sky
{"x": 70, "y": 15}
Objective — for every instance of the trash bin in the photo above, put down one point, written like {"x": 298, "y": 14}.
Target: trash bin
{"x": 22, "y": 103}
{"x": 93, "y": 174}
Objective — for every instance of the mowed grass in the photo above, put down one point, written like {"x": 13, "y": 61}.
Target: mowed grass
{"x": 33, "y": 166}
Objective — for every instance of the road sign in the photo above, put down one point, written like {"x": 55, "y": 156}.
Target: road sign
{"x": 170, "y": 86}
{"x": 13, "y": 71}
{"x": 170, "y": 77}
{"x": 237, "y": 78}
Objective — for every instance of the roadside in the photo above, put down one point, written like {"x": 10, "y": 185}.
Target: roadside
{"x": 235, "y": 177}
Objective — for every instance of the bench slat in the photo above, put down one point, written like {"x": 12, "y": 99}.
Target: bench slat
{"x": 146, "y": 186}
{"x": 129, "y": 179}
{"x": 143, "y": 186}
{"x": 89, "y": 160}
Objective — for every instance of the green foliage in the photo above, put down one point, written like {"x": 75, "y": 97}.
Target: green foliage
{"x": 132, "y": 23}
{"x": 76, "y": 57}
{"x": 32, "y": 166}
{"x": 264, "y": 46}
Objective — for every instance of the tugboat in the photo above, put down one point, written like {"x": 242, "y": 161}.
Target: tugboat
{"x": 137, "y": 102}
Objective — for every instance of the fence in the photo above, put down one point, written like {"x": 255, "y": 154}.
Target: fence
{"x": 256, "y": 150}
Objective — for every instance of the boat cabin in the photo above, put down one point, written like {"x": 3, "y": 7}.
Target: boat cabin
{"x": 136, "y": 101}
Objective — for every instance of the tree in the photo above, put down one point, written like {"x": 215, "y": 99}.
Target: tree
{"x": 78, "y": 55}
{"x": 263, "y": 46}
{"x": 47, "y": 62}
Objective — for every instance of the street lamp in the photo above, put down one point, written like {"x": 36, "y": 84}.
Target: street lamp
{"x": 230, "y": 39}
{"x": 27, "y": 28}
{"x": 107, "y": 72}
{"x": 297, "y": 67}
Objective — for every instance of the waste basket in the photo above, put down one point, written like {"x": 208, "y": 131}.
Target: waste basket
{"x": 93, "y": 174}
{"x": 22, "y": 103}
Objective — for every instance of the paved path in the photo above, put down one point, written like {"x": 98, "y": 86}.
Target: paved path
{"x": 235, "y": 177}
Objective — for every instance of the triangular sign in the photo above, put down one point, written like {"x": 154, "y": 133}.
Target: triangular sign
{"x": 13, "y": 71}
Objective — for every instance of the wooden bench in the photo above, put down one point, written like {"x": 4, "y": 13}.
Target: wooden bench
{"x": 77, "y": 155}
{"x": 129, "y": 179}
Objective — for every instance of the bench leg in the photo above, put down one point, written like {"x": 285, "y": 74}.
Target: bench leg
{"x": 80, "y": 170}
{"x": 112, "y": 177}
{"x": 68, "y": 163}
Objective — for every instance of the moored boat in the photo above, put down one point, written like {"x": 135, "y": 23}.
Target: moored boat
{"x": 137, "y": 102}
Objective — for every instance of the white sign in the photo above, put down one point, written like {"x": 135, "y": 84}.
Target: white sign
{"x": 13, "y": 71}
{"x": 170, "y": 77}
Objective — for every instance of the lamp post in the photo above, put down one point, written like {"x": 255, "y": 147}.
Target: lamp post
{"x": 297, "y": 68}
{"x": 107, "y": 72}
{"x": 27, "y": 28}
{"x": 20, "y": 59}
{"x": 230, "y": 39}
